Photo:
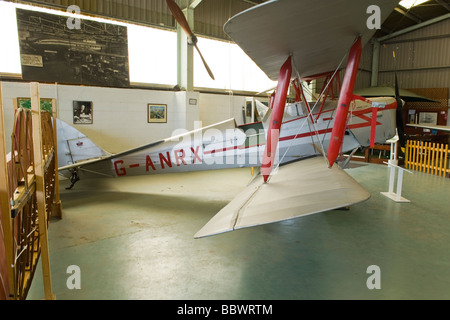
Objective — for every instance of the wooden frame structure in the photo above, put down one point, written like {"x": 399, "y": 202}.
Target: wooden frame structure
{"x": 28, "y": 188}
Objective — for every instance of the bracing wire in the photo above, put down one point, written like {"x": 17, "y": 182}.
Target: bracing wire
{"x": 311, "y": 112}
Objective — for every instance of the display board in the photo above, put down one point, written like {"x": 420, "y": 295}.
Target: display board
{"x": 427, "y": 113}
{"x": 54, "y": 48}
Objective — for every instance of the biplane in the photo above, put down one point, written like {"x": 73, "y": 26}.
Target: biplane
{"x": 296, "y": 145}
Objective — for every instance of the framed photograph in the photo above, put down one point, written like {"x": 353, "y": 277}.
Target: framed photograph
{"x": 83, "y": 112}
{"x": 46, "y": 104}
{"x": 96, "y": 54}
{"x": 428, "y": 118}
{"x": 157, "y": 113}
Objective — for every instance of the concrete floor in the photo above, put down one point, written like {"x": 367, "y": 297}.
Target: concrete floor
{"x": 133, "y": 239}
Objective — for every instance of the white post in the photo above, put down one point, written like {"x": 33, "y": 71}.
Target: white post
{"x": 399, "y": 185}
{"x": 397, "y": 197}
{"x": 393, "y": 156}
{"x": 391, "y": 179}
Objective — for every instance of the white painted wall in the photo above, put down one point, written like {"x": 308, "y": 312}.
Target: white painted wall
{"x": 120, "y": 115}
{"x": 216, "y": 107}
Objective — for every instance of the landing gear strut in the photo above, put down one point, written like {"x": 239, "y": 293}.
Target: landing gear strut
{"x": 73, "y": 179}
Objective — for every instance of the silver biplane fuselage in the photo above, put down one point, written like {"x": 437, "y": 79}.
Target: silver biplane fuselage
{"x": 224, "y": 145}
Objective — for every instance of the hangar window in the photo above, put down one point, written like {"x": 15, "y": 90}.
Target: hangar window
{"x": 232, "y": 68}
{"x": 152, "y": 55}
{"x": 10, "y": 55}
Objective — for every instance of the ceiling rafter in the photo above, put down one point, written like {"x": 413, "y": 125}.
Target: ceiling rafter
{"x": 443, "y": 4}
{"x": 412, "y": 16}
{"x": 194, "y": 3}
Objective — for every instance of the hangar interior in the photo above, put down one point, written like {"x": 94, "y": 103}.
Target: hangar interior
{"x": 132, "y": 238}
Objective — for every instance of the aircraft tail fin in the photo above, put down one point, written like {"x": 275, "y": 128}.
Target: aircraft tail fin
{"x": 74, "y": 146}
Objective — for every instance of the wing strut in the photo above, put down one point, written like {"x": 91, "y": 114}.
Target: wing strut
{"x": 346, "y": 96}
{"x": 276, "y": 118}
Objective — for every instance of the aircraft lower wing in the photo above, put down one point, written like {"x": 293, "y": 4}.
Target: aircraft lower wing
{"x": 297, "y": 189}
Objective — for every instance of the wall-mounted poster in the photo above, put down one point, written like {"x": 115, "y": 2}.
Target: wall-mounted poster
{"x": 157, "y": 113}
{"x": 46, "y": 104}
{"x": 92, "y": 53}
{"x": 82, "y": 112}
{"x": 428, "y": 118}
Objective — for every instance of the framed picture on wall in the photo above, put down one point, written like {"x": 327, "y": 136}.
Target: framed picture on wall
{"x": 46, "y": 104}
{"x": 83, "y": 112}
{"x": 428, "y": 118}
{"x": 157, "y": 113}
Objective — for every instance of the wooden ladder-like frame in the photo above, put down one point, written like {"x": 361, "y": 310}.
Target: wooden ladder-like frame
{"x": 29, "y": 194}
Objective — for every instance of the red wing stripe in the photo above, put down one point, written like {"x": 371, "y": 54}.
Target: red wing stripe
{"x": 221, "y": 150}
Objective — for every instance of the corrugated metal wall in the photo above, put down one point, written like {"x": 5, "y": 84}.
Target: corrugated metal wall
{"x": 209, "y": 16}
{"x": 365, "y": 68}
{"x": 422, "y": 58}
{"x": 364, "y": 75}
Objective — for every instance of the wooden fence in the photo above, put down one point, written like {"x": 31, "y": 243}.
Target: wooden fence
{"x": 427, "y": 157}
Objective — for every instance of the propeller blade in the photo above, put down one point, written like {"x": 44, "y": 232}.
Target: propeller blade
{"x": 181, "y": 19}
{"x": 399, "y": 115}
{"x": 204, "y": 62}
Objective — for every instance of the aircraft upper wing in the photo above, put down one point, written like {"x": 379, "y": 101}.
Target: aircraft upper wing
{"x": 317, "y": 33}
{"x": 297, "y": 189}
{"x": 431, "y": 127}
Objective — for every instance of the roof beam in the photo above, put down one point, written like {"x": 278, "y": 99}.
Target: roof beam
{"x": 414, "y": 27}
{"x": 252, "y": 2}
{"x": 408, "y": 14}
{"x": 194, "y": 3}
{"x": 444, "y": 4}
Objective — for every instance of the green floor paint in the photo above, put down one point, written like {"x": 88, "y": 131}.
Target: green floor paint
{"x": 133, "y": 239}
